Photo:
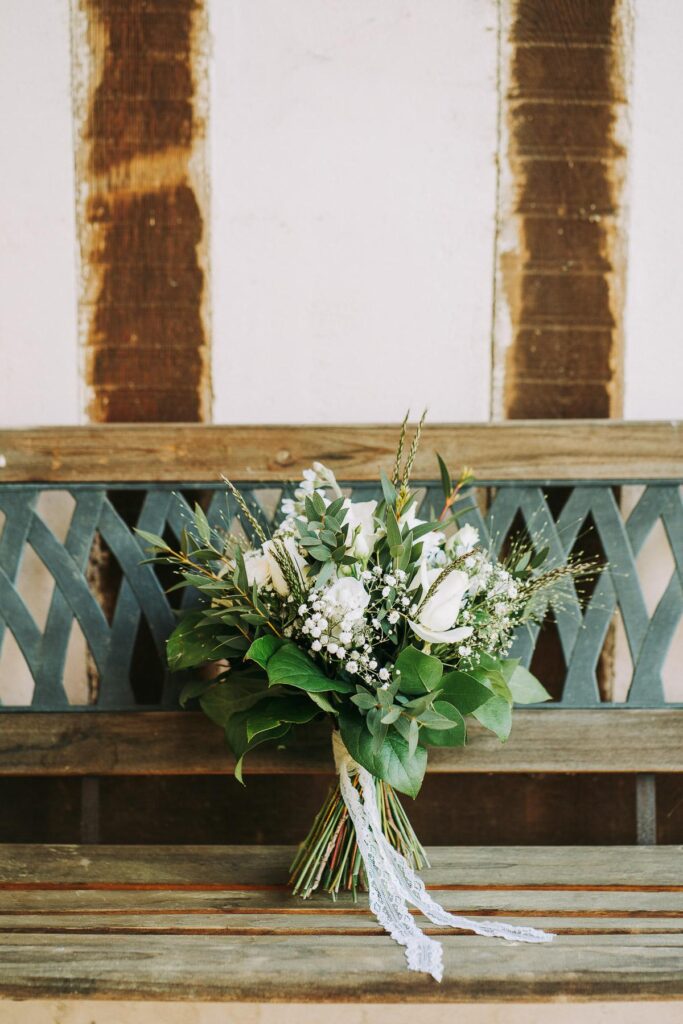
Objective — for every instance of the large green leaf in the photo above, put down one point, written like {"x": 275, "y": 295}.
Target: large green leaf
{"x": 454, "y": 737}
{"x": 272, "y": 711}
{"x": 236, "y": 693}
{"x": 496, "y": 715}
{"x": 494, "y": 679}
{"x": 289, "y": 666}
{"x": 262, "y": 650}
{"x": 526, "y": 688}
{"x": 420, "y": 672}
{"x": 463, "y": 691}
{"x": 190, "y": 645}
{"x": 239, "y": 742}
{"x": 392, "y": 762}
{"x": 193, "y": 688}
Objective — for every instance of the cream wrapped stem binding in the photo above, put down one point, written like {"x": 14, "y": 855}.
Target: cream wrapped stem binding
{"x": 391, "y": 881}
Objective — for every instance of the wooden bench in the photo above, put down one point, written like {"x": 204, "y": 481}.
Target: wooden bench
{"x": 217, "y": 922}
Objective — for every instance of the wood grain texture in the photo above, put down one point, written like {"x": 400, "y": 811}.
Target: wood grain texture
{"x": 24, "y": 866}
{"x": 142, "y": 203}
{"x": 561, "y": 268}
{"x": 217, "y": 923}
{"x": 539, "y": 450}
{"x": 178, "y": 743}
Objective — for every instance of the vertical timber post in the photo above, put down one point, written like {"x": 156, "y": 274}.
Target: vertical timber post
{"x": 646, "y": 809}
{"x": 140, "y": 96}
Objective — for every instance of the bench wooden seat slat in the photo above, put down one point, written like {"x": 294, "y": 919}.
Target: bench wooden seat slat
{"x": 74, "y": 920}
{"x": 359, "y": 924}
{"x": 168, "y": 743}
{"x": 573, "y": 902}
{"x": 264, "y": 867}
{"x": 339, "y": 968}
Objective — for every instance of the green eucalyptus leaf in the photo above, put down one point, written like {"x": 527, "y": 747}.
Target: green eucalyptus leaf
{"x": 463, "y": 691}
{"x": 413, "y": 737}
{"x": 525, "y": 687}
{"x": 420, "y": 672}
{"x": 364, "y": 700}
{"x": 392, "y": 762}
{"x": 318, "y": 504}
{"x": 334, "y": 508}
{"x": 454, "y": 736}
{"x": 496, "y": 715}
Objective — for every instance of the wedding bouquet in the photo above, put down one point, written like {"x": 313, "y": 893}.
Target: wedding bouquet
{"x": 394, "y": 629}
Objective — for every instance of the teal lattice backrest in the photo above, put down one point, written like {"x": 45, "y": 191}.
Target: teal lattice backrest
{"x": 83, "y": 622}
{"x": 99, "y": 586}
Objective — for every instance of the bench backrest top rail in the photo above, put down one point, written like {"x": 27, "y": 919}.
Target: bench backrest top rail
{"x": 520, "y": 450}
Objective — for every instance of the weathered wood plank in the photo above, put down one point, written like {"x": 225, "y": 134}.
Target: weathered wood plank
{"x": 453, "y": 868}
{"x": 608, "y": 944}
{"x": 177, "y": 743}
{"x": 539, "y": 449}
{"x": 115, "y": 903}
{"x": 323, "y": 923}
{"x": 337, "y": 968}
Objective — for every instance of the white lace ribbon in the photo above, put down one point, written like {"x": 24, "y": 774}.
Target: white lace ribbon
{"x": 392, "y": 883}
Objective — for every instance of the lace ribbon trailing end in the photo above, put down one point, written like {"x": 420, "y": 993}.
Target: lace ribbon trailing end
{"x": 392, "y": 883}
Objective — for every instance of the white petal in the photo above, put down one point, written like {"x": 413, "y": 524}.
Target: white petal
{"x": 433, "y": 636}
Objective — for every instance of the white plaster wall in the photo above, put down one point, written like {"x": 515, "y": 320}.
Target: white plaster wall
{"x": 353, "y": 195}
{"x": 654, "y": 300}
{"x": 39, "y": 366}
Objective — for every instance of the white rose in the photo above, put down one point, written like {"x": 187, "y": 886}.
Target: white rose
{"x": 349, "y": 595}
{"x": 462, "y": 542}
{"x": 276, "y": 575}
{"x": 257, "y": 567}
{"x": 363, "y": 531}
{"x": 437, "y": 615}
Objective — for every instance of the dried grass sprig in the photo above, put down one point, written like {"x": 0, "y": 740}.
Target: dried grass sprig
{"x": 246, "y": 511}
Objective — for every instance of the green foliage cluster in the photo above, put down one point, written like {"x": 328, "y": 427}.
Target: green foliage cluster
{"x": 270, "y": 685}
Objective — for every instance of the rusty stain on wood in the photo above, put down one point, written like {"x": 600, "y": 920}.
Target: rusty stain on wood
{"x": 560, "y": 263}
{"x": 140, "y": 80}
